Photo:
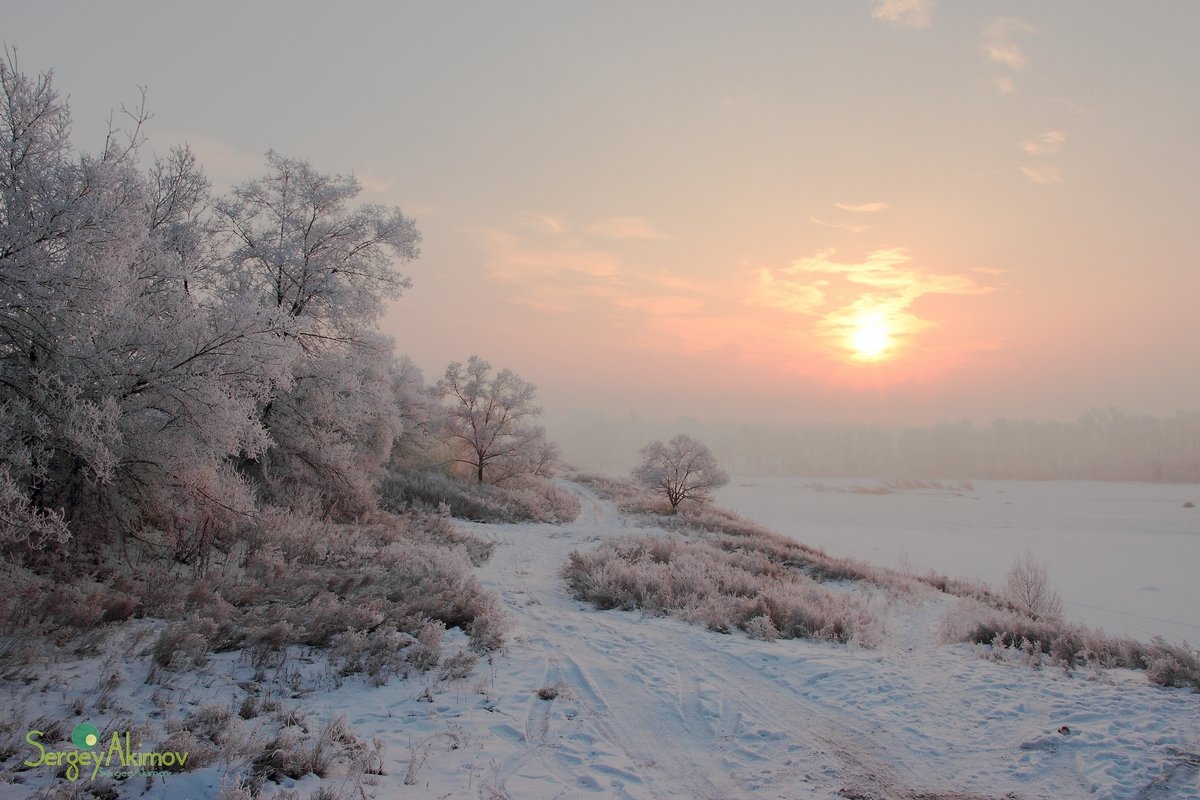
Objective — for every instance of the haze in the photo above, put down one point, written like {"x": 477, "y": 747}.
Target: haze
{"x": 891, "y": 212}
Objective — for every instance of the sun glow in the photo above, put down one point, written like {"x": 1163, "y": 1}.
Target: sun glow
{"x": 871, "y": 339}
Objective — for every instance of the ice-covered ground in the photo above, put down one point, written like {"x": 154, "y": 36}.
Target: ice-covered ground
{"x": 1124, "y": 556}
{"x": 610, "y": 704}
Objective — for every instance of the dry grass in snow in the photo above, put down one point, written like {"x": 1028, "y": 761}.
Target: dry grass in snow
{"x": 300, "y": 606}
{"x": 703, "y": 583}
{"x": 727, "y": 572}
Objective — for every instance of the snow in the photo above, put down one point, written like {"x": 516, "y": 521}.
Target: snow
{"x": 1124, "y": 556}
{"x": 648, "y": 707}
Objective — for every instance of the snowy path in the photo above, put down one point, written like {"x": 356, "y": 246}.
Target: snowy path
{"x": 655, "y": 708}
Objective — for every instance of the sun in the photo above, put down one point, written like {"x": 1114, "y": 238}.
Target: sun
{"x": 871, "y": 339}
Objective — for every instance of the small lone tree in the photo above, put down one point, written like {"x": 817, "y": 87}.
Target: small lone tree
{"x": 488, "y": 420}
{"x": 1027, "y": 586}
{"x": 681, "y": 469}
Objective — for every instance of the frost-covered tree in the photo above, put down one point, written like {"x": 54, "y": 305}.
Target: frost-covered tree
{"x": 126, "y": 379}
{"x": 165, "y": 361}
{"x": 418, "y": 408}
{"x": 321, "y": 270}
{"x": 489, "y": 422}
{"x": 682, "y": 469}
{"x": 1027, "y": 586}
{"x": 301, "y": 248}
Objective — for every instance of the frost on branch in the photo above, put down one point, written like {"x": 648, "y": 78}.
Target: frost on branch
{"x": 1027, "y": 586}
{"x": 488, "y": 422}
{"x": 682, "y": 469}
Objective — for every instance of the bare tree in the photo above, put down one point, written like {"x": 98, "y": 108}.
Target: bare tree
{"x": 1027, "y": 586}
{"x": 488, "y": 419}
{"x": 682, "y": 469}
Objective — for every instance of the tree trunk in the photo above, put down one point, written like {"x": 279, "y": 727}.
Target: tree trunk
{"x": 479, "y": 472}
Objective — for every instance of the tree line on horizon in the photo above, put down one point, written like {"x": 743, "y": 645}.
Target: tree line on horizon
{"x": 1101, "y": 445}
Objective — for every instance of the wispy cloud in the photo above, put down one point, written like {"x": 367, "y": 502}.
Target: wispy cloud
{"x": 840, "y": 297}
{"x": 1043, "y": 175}
{"x": 816, "y": 305}
{"x": 541, "y": 221}
{"x": 1000, "y": 42}
{"x": 626, "y": 228}
{"x": 862, "y": 208}
{"x": 1001, "y": 45}
{"x": 903, "y": 13}
{"x": 1044, "y": 144}
{"x": 839, "y": 225}
{"x": 661, "y": 305}
{"x": 514, "y": 259}
{"x": 375, "y": 184}
{"x": 551, "y": 268}
{"x": 780, "y": 290}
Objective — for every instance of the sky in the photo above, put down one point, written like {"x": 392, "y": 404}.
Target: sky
{"x": 868, "y": 211}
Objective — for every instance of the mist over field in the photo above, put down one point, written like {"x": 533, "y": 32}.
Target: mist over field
{"x": 1099, "y": 445}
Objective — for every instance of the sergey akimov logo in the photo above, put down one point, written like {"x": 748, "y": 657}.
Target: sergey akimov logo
{"x": 118, "y": 759}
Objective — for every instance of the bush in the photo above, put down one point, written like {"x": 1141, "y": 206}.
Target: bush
{"x": 183, "y": 644}
{"x": 1027, "y": 586}
{"x": 721, "y": 589}
{"x": 1068, "y": 645}
{"x": 526, "y": 498}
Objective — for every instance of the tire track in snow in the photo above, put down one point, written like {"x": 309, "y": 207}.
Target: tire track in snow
{"x": 664, "y": 709}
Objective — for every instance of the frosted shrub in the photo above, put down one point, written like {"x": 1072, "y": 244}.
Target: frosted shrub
{"x": 213, "y": 723}
{"x": 428, "y": 652}
{"x": 721, "y": 589}
{"x": 489, "y": 626}
{"x": 385, "y": 653}
{"x": 347, "y": 650}
{"x": 23, "y": 527}
{"x": 458, "y": 666}
{"x": 762, "y": 628}
{"x": 626, "y": 494}
{"x": 1027, "y": 586}
{"x": 183, "y": 644}
{"x": 523, "y": 498}
{"x": 1036, "y": 641}
{"x": 1173, "y": 665}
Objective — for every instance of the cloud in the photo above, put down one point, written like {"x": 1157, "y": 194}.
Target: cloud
{"x": 514, "y": 260}
{"x": 661, "y": 305}
{"x": 1044, "y": 143}
{"x": 839, "y": 225}
{"x": 553, "y": 270}
{"x": 903, "y": 13}
{"x": 862, "y": 208}
{"x": 1043, "y": 175}
{"x": 537, "y": 220}
{"x": 1005, "y": 84}
{"x": 625, "y": 228}
{"x": 1000, "y": 45}
{"x": 812, "y": 306}
{"x": 375, "y": 184}
{"x": 839, "y": 297}
{"x": 798, "y": 297}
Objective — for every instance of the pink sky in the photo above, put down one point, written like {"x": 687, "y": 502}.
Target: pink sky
{"x": 698, "y": 209}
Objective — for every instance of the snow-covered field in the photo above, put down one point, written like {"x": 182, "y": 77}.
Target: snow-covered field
{"x": 1124, "y": 556}
{"x": 609, "y": 704}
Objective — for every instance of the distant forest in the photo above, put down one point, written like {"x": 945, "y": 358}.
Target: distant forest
{"x": 1100, "y": 445}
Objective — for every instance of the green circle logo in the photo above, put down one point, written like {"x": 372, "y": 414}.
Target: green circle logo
{"x": 85, "y": 735}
